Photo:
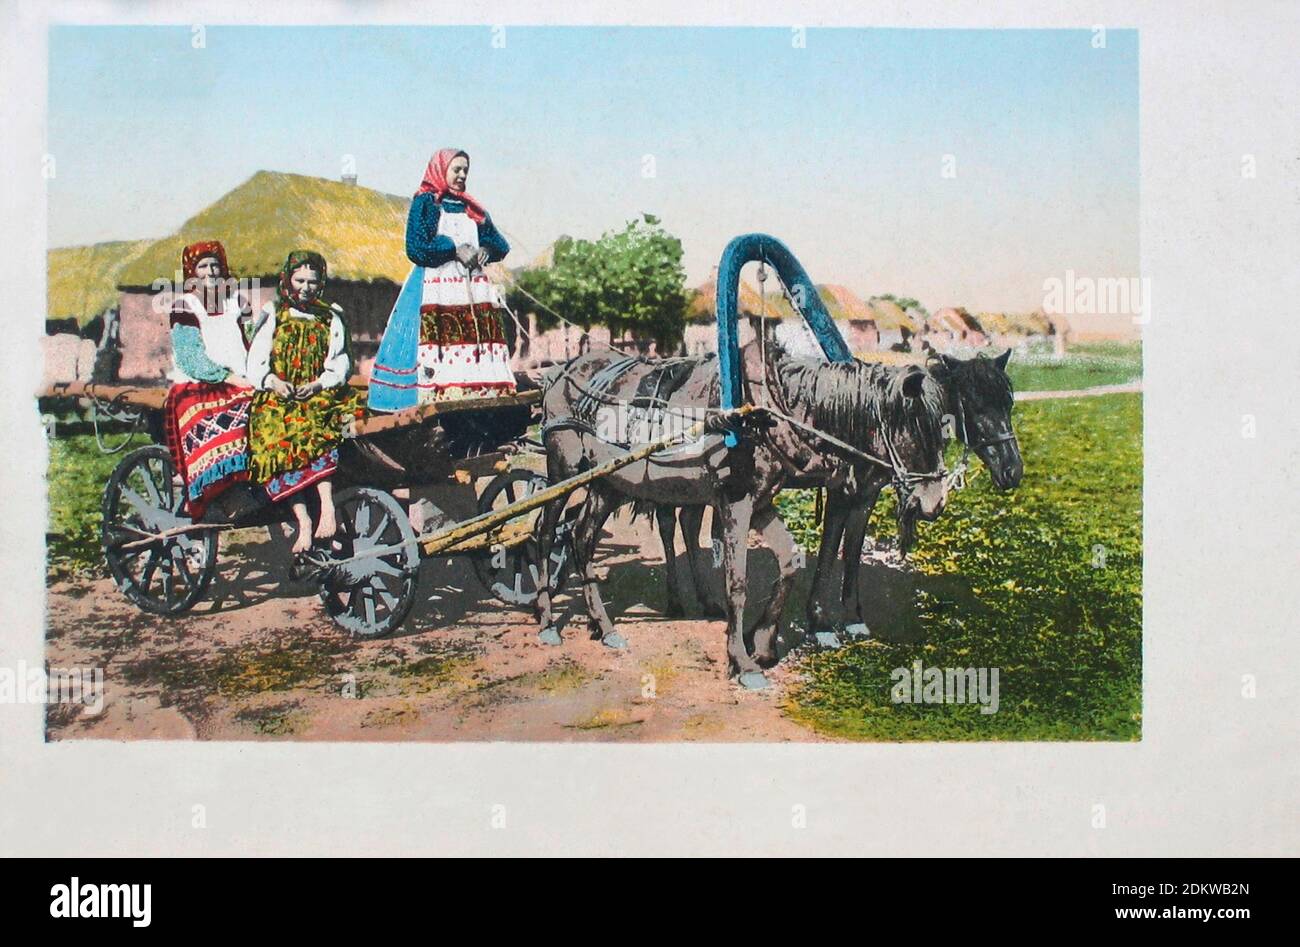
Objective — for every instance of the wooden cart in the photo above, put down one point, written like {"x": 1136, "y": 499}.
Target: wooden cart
{"x": 163, "y": 561}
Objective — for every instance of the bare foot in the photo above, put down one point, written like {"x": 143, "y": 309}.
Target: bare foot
{"x": 303, "y": 542}
{"x": 327, "y": 527}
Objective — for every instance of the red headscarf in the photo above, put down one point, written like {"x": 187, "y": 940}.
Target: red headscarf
{"x": 213, "y": 301}
{"x": 191, "y": 255}
{"x": 435, "y": 182}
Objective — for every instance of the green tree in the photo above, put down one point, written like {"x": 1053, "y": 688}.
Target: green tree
{"x": 903, "y": 302}
{"x": 629, "y": 279}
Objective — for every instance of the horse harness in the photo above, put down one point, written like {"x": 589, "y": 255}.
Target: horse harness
{"x": 904, "y": 480}
{"x": 597, "y": 392}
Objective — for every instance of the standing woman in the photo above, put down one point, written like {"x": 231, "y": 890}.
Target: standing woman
{"x": 445, "y": 337}
{"x": 207, "y": 408}
{"x": 299, "y": 363}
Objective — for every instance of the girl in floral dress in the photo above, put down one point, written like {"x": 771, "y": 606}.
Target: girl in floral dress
{"x": 299, "y": 363}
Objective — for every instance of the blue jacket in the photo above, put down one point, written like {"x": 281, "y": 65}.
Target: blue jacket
{"x": 425, "y": 248}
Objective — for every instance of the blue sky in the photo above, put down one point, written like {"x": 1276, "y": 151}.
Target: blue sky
{"x": 836, "y": 148}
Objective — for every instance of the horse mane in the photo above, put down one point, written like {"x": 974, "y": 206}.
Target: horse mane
{"x": 977, "y": 379}
{"x": 853, "y": 400}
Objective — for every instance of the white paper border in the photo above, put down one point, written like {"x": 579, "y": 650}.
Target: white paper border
{"x": 1215, "y": 774}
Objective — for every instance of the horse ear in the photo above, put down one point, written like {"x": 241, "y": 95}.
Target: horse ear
{"x": 914, "y": 384}
{"x": 949, "y": 362}
{"x": 1001, "y": 360}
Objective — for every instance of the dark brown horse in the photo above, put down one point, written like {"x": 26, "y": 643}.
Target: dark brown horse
{"x": 819, "y": 421}
{"x": 977, "y": 397}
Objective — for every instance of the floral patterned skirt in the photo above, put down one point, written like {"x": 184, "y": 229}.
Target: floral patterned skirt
{"x": 293, "y": 444}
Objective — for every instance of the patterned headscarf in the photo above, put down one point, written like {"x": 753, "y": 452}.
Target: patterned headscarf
{"x": 285, "y": 297}
{"x": 190, "y": 257}
{"x": 435, "y": 182}
{"x": 195, "y": 252}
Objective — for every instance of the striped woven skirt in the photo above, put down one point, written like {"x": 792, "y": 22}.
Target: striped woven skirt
{"x": 206, "y": 429}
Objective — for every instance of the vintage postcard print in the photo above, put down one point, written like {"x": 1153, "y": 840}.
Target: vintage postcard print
{"x": 590, "y": 384}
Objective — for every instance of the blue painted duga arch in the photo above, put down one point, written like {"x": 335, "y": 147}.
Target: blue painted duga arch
{"x": 751, "y": 248}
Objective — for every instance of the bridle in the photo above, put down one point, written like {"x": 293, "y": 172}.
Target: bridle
{"x": 958, "y": 478}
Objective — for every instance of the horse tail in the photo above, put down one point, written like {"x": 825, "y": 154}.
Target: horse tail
{"x": 643, "y": 508}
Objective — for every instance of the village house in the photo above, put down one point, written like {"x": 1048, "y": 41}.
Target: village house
{"x": 82, "y": 307}
{"x": 895, "y": 327}
{"x": 952, "y": 328}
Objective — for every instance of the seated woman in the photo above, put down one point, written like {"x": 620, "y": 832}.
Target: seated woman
{"x": 445, "y": 337}
{"x": 205, "y": 418}
{"x": 299, "y": 363}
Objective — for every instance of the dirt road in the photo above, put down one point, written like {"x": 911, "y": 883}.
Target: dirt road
{"x": 261, "y": 661}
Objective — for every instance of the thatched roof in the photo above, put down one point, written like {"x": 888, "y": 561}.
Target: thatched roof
{"x": 842, "y": 302}
{"x": 81, "y": 281}
{"x": 1008, "y": 323}
{"x": 954, "y": 318}
{"x": 702, "y": 305}
{"x": 889, "y": 315}
{"x": 360, "y": 231}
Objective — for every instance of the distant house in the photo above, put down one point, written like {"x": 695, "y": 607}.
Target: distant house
{"x": 857, "y": 322}
{"x": 895, "y": 327}
{"x": 953, "y": 327}
{"x": 1014, "y": 330}
{"x": 701, "y": 334}
{"x": 360, "y": 231}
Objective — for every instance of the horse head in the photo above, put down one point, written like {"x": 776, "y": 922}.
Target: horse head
{"x": 913, "y": 432}
{"x": 980, "y": 399}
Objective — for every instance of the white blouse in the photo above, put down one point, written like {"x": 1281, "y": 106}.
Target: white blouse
{"x": 338, "y": 364}
{"x": 222, "y": 334}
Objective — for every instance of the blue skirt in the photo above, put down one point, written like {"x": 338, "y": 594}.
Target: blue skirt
{"x": 394, "y": 380}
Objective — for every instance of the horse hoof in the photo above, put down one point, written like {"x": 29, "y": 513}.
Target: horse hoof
{"x": 827, "y": 639}
{"x": 549, "y": 635}
{"x": 858, "y": 630}
{"x": 614, "y": 640}
{"x": 753, "y": 681}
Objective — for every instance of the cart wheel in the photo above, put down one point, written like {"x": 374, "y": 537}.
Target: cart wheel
{"x": 512, "y": 574}
{"x": 371, "y": 595}
{"x": 143, "y": 496}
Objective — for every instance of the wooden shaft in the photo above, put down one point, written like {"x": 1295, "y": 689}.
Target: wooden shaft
{"x": 137, "y": 396}
{"x": 444, "y": 539}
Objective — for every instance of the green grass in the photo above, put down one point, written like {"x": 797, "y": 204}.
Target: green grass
{"x": 1084, "y": 366}
{"x": 76, "y": 478}
{"x": 1044, "y": 583}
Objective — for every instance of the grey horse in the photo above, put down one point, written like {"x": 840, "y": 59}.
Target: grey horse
{"x": 816, "y": 420}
